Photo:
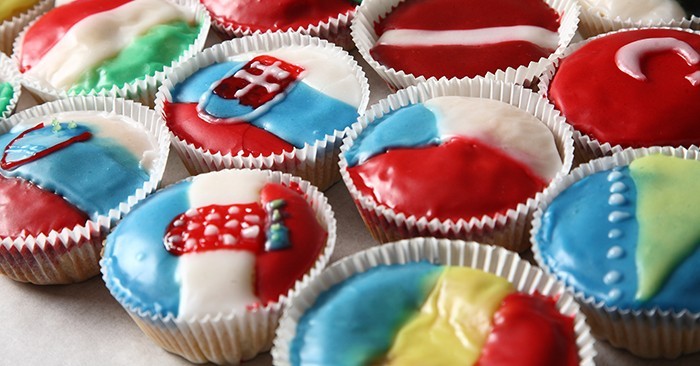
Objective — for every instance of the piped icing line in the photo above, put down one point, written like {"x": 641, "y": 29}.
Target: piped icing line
{"x": 471, "y": 37}
{"x": 629, "y": 57}
{"x": 58, "y": 137}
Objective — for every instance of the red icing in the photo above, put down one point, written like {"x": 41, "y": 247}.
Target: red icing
{"x": 228, "y": 138}
{"x": 528, "y": 330}
{"x": 51, "y": 27}
{"x": 474, "y": 180}
{"x": 26, "y": 209}
{"x": 613, "y": 107}
{"x": 275, "y": 14}
{"x": 460, "y": 61}
{"x": 41, "y": 153}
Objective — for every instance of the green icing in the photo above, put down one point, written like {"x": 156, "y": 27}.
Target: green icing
{"x": 668, "y": 216}
{"x": 147, "y": 55}
{"x": 6, "y": 94}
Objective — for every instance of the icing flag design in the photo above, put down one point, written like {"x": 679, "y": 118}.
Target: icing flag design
{"x": 41, "y": 140}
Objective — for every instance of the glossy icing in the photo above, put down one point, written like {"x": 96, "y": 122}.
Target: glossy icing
{"x": 471, "y": 37}
{"x": 629, "y": 57}
{"x": 458, "y": 59}
{"x": 6, "y": 94}
{"x": 637, "y": 9}
{"x": 41, "y": 140}
{"x": 666, "y": 93}
{"x": 617, "y": 203}
{"x": 11, "y": 8}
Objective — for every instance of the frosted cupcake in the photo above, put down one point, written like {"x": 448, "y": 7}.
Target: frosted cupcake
{"x": 10, "y": 88}
{"x": 205, "y": 266}
{"x": 15, "y": 15}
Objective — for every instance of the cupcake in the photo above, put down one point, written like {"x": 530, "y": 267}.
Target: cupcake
{"x": 14, "y": 16}
{"x": 408, "y": 41}
{"x": 10, "y": 88}
{"x": 69, "y": 170}
{"x": 204, "y": 266}
{"x": 653, "y": 77}
{"x": 429, "y": 301}
{"x": 622, "y": 232}
{"x": 114, "y": 47}
{"x": 450, "y": 160}
{"x": 276, "y": 101}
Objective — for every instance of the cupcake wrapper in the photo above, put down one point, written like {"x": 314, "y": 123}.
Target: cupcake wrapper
{"x": 371, "y": 11}
{"x": 316, "y": 163}
{"x": 651, "y": 333}
{"x": 525, "y": 277}
{"x": 235, "y": 336}
{"x": 9, "y": 73}
{"x": 71, "y": 255}
{"x": 142, "y": 90}
{"x": 508, "y": 230}
{"x": 587, "y": 147}
{"x": 10, "y": 29}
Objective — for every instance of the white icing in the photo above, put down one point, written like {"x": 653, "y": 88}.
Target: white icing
{"x": 618, "y": 216}
{"x": 241, "y": 186}
{"x": 471, "y": 37}
{"x": 502, "y": 126}
{"x": 216, "y": 281}
{"x": 324, "y": 71}
{"x": 99, "y": 37}
{"x": 636, "y": 9}
{"x": 62, "y": 2}
{"x": 124, "y": 130}
{"x": 629, "y": 57}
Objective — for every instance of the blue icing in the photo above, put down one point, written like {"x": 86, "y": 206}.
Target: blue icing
{"x": 95, "y": 175}
{"x": 138, "y": 266}
{"x": 37, "y": 141}
{"x": 413, "y": 126}
{"x": 304, "y": 116}
{"x": 355, "y": 321}
{"x": 580, "y": 232}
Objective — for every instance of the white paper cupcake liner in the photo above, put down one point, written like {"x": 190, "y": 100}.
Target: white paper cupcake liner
{"x": 524, "y": 276}
{"x": 142, "y": 90}
{"x": 592, "y": 23}
{"x": 11, "y": 28}
{"x": 371, "y": 11}
{"x": 509, "y": 230}
{"x": 316, "y": 163}
{"x": 9, "y": 73}
{"x": 650, "y": 333}
{"x": 72, "y": 254}
{"x": 586, "y": 147}
{"x": 229, "y": 338}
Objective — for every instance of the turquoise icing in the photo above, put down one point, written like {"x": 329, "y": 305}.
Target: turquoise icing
{"x": 592, "y": 225}
{"x": 303, "y": 117}
{"x": 95, "y": 175}
{"x": 413, "y": 126}
{"x": 139, "y": 269}
{"x": 355, "y": 321}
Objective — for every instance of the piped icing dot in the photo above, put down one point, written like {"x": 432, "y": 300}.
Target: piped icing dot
{"x": 617, "y": 199}
{"x": 612, "y": 278}
{"x": 614, "y": 176}
{"x": 618, "y": 216}
{"x": 615, "y": 234}
{"x": 616, "y": 252}
{"x": 618, "y": 187}
{"x": 614, "y": 294}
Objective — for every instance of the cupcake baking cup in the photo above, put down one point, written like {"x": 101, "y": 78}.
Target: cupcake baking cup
{"x": 648, "y": 333}
{"x": 72, "y": 254}
{"x": 316, "y": 163}
{"x": 143, "y": 89}
{"x": 593, "y": 24}
{"x": 508, "y": 230}
{"x": 11, "y": 28}
{"x": 9, "y": 74}
{"x": 371, "y": 11}
{"x": 229, "y": 338}
{"x": 524, "y": 276}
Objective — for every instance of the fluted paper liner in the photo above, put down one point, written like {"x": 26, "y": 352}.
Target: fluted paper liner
{"x": 592, "y": 23}
{"x": 9, "y": 73}
{"x": 586, "y": 147}
{"x": 141, "y": 90}
{"x": 231, "y": 337}
{"x": 72, "y": 254}
{"x": 509, "y": 230}
{"x": 316, "y": 163}
{"x": 11, "y": 28}
{"x": 372, "y": 11}
{"x": 649, "y": 333}
{"x": 525, "y": 277}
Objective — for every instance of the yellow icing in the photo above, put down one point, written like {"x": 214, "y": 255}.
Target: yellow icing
{"x": 669, "y": 217}
{"x": 454, "y": 322}
{"x": 11, "y": 8}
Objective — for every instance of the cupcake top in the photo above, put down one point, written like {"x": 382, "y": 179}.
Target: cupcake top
{"x": 421, "y": 313}
{"x": 94, "y": 45}
{"x": 6, "y": 94}
{"x": 58, "y": 171}
{"x": 492, "y": 155}
{"x": 11, "y": 8}
{"x": 663, "y": 10}
{"x": 627, "y": 236}
{"x": 430, "y": 38}
{"x": 266, "y": 102}
{"x": 645, "y": 90}
{"x": 217, "y": 243}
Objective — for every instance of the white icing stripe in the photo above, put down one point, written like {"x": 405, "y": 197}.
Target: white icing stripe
{"x": 99, "y": 37}
{"x": 511, "y": 130}
{"x": 242, "y": 186}
{"x": 471, "y": 37}
{"x": 216, "y": 281}
{"x": 629, "y": 57}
